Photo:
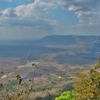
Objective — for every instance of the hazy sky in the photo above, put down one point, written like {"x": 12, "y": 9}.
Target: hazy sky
{"x": 22, "y": 19}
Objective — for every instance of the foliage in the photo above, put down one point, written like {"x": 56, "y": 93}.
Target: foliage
{"x": 12, "y": 92}
{"x": 87, "y": 85}
{"x": 17, "y": 89}
{"x": 68, "y": 95}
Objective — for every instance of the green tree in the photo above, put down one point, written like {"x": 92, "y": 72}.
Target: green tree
{"x": 87, "y": 85}
{"x": 68, "y": 95}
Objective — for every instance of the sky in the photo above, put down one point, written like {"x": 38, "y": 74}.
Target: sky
{"x": 32, "y": 19}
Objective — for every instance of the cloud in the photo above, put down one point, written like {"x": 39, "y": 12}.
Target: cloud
{"x": 33, "y": 14}
{"x": 36, "y": 19}
{"x": 28, "y": 20}
{"x": 37, "y": 9}
{"x": 9, "y": 13}
{"x": 88, "y": 11}
{"x": 83, "y": 5}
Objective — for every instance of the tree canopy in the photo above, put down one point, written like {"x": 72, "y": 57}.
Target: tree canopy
{"x": 87, "y": 85}
{"x": 68, "y": 95}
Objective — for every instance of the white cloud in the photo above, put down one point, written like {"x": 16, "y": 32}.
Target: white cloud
{"x": 36, "y": 9}
{"x": 31, "y": 18}
{"x": 88, "y": 11}
{"x": 9, "y": 13}
{"x": 33, "y": 14}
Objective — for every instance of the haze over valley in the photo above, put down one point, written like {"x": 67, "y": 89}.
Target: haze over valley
{"x": 48, "y": 43}
{"x": 58, "y": 58}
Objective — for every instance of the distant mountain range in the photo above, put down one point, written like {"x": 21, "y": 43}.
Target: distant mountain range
{"x": 68, "y": 40}
{"x": 61, "y": 58}
{"x": 56, "y": 40}
{"x": 69, "y": 48}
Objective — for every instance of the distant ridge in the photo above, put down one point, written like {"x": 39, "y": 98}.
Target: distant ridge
{"x": 68, "y": 40}
{"x": 57, "y": 40}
